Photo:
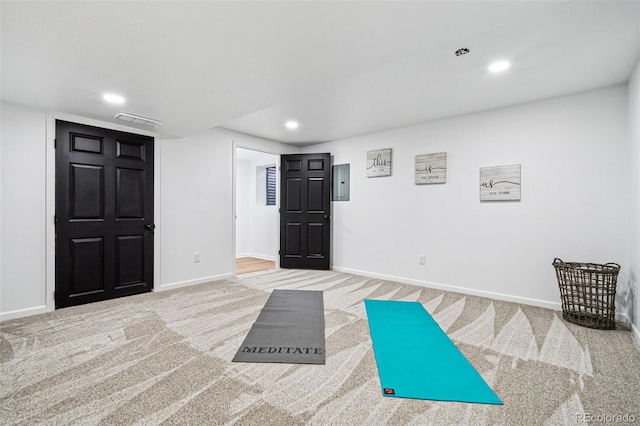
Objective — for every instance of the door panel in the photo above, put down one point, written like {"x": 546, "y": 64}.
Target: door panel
{"x": 129, "y": 150}
{"x": 292, "y": 240}
{"x": 87, "y": 267}
{"x": 305, "y": 211}
{"x": 293, "y": 196}
{"x": 86, "y": 192}
{"x": 315, "y": 246}
{"x": 130, "y": 260}
{"x": 86, "y": 143}
{"x": 104, "y": 202}
{"x": 130, "y": 194}
{"x": 315, "y": 190}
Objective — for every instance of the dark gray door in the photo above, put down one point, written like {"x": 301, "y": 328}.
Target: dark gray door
{"x": 104, "y": 214}
{"x": 305, "y": 206}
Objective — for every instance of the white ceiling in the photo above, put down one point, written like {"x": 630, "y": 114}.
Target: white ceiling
{"x": 340, "y": 68}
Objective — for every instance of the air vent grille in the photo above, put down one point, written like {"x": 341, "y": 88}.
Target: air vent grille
{"x": 136, "y": 119}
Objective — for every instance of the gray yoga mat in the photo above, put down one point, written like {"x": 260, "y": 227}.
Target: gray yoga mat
{"x": 289, "y": 329}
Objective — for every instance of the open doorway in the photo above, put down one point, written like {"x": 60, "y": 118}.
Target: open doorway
{"x": 257, "y": 216}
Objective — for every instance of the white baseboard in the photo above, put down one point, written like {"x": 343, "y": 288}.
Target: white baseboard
{"x": 19, "y": 313}
{"x": 623, "y": 317}
{"x": 187, "y": 283}
{"x": 489, "y": 294}
{"x": 257, "y": 256}
{"x": 635, "y": 333}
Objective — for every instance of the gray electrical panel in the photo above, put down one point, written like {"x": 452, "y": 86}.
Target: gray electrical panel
{"x": 340, "y": 182}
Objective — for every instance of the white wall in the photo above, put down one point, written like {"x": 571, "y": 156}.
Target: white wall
{"x": 243, "y": 212}
{"x": 22, "y": 279}
{"x": 573, "y": 153}
{"x": 1, "y": 180}
{"x": 196, "y": 194}
{"x": 194, "y": 207}
{"x": 265, "y": 220}
{"x": 198, "y": 204}
{"x": 27, "y": 260}
{"x": 257, "y": 224}
{"x": 634, "y": 211}
{"x": 575, "y": 161}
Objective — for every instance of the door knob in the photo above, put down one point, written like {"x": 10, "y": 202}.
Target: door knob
{"x": 150, "y": 226}
{"x": 326, "y": 217}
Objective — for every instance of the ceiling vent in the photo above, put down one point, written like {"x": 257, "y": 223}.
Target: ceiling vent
{"x": 462, "y": 51}
{"x": 136, "y": 119}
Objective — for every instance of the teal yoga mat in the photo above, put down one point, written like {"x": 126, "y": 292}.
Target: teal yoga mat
{"x": 416, "y": 359}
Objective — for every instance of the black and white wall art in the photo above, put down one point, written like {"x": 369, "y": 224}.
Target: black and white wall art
{"x": 500, "y": 183}
{"x": 431, "y": 168}
{"x": 379, "y": 163}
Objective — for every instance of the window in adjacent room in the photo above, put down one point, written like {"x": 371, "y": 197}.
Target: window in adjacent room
{"x": 271, "y": 186}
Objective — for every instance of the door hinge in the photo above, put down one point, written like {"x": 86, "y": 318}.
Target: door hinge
{"x": 55, "y": 143}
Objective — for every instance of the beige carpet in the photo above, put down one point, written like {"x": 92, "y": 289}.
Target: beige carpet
{"x": 165, "y": 358}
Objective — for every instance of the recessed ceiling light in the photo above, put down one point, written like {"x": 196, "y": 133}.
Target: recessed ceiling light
{"x": 291, "y": 124}
{"x": 499, "y": 66}
{"x": 113, "y": 98}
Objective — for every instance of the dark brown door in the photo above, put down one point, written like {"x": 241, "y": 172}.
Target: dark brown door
{"x": 305, "y": 206}
{"x": 104, "y": 214}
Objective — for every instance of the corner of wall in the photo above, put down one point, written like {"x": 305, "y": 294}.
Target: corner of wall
{"x": 633, "y": 99}
{"x": 1, "y": 126}
{"x": 635, "y": 334}
{"x": 23, "y": 290}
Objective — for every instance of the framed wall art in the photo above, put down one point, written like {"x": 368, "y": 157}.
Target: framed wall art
{"x": 379, "y": 163}
{"x": 500, "y": 183}
{"x": 431, "y": 168}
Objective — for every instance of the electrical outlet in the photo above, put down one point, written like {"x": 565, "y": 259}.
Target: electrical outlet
{"x": 422, "y": 260}
{"x": 196, "y": 257}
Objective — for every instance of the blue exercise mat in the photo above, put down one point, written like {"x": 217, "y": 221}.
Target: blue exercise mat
{"x": 416, "y": 359}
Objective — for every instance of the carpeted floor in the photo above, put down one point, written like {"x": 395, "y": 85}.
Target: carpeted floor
{"x": 165, "y": 358}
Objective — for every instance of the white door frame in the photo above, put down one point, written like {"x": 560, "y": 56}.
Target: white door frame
{"x": 50, "y": 203}
{"x": 237, "y": 146}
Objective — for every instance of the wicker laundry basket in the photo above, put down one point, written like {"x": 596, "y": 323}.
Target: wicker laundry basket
{"x": 588, "y": 293}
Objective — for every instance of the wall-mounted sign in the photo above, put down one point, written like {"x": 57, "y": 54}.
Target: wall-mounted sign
{"x": 431, "y": 168}
{"x": 379, "y": 163}
{"x": 500, "y": 183}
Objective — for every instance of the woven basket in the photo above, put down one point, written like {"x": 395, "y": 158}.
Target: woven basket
{"x": 588, "y": 293}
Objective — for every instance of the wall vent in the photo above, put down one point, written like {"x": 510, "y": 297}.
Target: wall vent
{"x": 136, "y": 119}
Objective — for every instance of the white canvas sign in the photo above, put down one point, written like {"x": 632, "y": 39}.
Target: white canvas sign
{"x": 379, "y": 163}
{"x": 431, "y": 168}
{"x": 500, "y": 183}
